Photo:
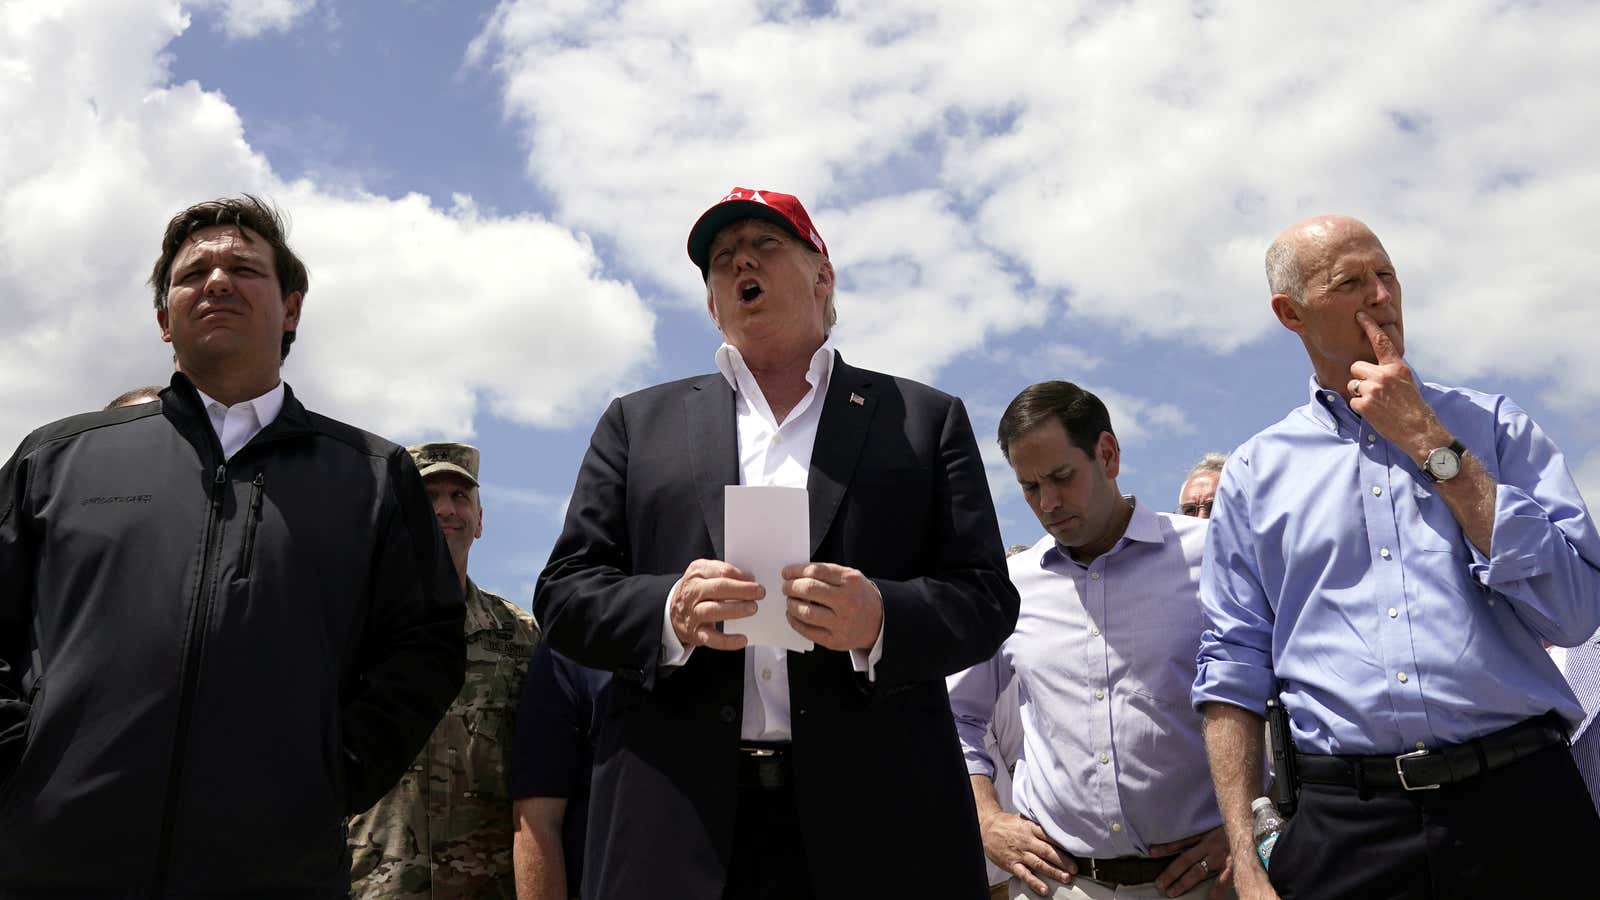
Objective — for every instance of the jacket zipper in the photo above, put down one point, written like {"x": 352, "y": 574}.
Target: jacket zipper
{"x": 189, "y": 673}
{"x": 250, "y": 524}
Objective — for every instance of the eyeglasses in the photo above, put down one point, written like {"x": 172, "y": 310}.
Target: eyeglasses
{"x": 1200, "y": 510}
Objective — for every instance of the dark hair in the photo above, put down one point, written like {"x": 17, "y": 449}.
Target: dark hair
{"x": 243, "y": 212}
{"x": 1081, "y": 413}
{"x": 136, "y": 396}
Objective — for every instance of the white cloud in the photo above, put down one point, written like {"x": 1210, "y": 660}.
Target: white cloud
{"x": 1138, "y": 420}
{"x": 242, "y": 19}
{"x": 1133, "y": 158}
{"x": 418, "y": 320}
{"x": 1051, "y": 358}
{"x": 914, "y": 293}
{"x": 551, "y": 504}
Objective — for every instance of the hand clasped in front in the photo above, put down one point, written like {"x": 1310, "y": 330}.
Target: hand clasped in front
{"x": 832, "y": 605}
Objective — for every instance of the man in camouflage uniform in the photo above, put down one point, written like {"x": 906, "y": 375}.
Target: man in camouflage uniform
{"x": 445, "y": 830}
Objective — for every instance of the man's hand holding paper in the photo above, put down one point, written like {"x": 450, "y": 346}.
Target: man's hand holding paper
{"x": 712, "y": 591}
{"x": 835, "y": 606}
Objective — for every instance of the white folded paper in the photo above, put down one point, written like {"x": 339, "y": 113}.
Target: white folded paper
{"x": 766, "y": 528}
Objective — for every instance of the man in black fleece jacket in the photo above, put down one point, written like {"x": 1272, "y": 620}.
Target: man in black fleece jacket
{"x": 226, "y": 623}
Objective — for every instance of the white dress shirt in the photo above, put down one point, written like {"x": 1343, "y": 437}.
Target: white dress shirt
{"x": 235, "y": 425}
{"x": 770, "y": 453}
{"x": 1112, "y": 756}
{"x": 1003, "y": 740}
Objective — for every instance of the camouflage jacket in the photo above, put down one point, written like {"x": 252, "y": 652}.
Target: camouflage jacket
{"x": 445, "y": 830}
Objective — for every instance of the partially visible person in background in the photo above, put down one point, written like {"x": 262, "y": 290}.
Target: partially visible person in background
{"x": 1581, "y": 666}
{"x": 444, "y": 832}
{"x": 147, "y": 394}
{"x": 551, "y": 766}
{"x": 1194, "y": 498}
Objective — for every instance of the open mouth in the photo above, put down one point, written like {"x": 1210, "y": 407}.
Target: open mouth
{"x": 749, "y": 291}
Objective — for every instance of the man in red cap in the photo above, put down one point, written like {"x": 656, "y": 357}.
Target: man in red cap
{"x": 751, "y": 772}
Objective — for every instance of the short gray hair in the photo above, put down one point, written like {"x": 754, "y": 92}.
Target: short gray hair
{"x": 1283, "y": 270}
{"x": 1211, "y": 462}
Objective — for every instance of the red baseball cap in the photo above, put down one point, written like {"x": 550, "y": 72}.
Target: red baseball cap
{"x": 747, "y": 203}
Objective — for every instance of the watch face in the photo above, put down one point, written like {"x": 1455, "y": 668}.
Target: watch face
{"x": 1443, "y": 463}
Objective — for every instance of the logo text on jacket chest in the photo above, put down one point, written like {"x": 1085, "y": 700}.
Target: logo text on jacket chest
{"x": 126, "y": 498}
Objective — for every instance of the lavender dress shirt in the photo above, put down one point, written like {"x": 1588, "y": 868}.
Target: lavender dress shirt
{"x": 1112, "y": 756}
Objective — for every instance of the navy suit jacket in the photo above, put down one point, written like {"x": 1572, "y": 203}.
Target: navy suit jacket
{"x": 897, "y": 490}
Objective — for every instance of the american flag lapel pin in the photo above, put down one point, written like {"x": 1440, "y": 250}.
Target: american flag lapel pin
{"x": 858, "y": 400}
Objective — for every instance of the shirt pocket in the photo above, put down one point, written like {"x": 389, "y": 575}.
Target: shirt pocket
{"x": 480, "y": 807}
{"x": 1166, "y": 640}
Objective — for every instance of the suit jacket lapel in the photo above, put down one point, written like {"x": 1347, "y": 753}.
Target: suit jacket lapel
{"x": 841, "y": 432}
{"x": 714, "y": 449}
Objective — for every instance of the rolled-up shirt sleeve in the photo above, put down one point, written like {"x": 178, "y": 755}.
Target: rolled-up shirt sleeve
{"x": 1545, "y": 552}
{"x": 1235, "y": 658}
{"x": 973, "y": 694}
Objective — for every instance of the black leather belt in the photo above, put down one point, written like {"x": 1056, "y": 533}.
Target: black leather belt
{"x": 1424, "y": 770}
{"x": 764, "y": 765}
{"x": 1125, "y": 869}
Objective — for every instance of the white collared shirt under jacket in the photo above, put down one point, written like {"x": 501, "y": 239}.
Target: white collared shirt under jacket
{"x": 776, "y": 454}
{"x": 1112, "y": 755}
{"x": 235, "y": 425}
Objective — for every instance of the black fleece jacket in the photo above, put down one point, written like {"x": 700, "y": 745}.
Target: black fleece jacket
{"x": 205, "y": 665}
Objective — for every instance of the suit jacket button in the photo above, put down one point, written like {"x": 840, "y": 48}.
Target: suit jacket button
{"x": 729, "y": 714}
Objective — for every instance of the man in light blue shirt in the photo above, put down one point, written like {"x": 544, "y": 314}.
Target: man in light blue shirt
{"x": 1111, "y": 789}
{"x": 1388, "y": 559}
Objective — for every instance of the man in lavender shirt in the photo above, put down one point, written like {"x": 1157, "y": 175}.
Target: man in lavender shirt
{"x": 1389, "y": 559}
{"x": 1111, "y": 792}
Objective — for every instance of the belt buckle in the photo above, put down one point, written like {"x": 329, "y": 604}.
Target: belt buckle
{"x": 1094, "y": 868}
{"x": 1400, "y": 769}
{"x": 758, "y": 752}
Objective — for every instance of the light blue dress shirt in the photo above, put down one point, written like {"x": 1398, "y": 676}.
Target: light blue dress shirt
{"x": 1333, "y": 566}
{"x": 1112, "y": 756}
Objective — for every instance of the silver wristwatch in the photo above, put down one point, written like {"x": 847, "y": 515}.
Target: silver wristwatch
{"x": 1444, "y": 463}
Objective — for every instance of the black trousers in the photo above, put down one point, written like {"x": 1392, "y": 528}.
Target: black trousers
{"x": 1527, "y": 829}
{"x": 769, "y": 856}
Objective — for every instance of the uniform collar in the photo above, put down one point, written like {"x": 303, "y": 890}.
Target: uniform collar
{"x": 481, "y": 612}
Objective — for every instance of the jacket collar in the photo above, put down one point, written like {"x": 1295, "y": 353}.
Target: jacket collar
{"x": 181, "y": 404}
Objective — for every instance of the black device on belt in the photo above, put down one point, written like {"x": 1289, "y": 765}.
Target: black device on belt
{"x": 1125, "y": 869}
{"x": 1425, "y": 770}
{"x": 1285, "y": 780}
{"x": 764, "y": 765}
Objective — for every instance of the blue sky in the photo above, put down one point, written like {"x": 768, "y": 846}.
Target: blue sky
{"x": 493, "y": 200}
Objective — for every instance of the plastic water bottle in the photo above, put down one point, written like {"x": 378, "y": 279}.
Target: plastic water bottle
{"x": 1268, "y": 826}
